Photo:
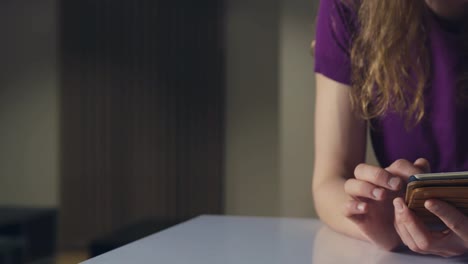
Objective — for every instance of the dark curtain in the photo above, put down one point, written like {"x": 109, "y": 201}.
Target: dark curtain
{"x": 142, "y": 106}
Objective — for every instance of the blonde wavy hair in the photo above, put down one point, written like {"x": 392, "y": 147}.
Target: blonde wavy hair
{"x": 390, "y": 58}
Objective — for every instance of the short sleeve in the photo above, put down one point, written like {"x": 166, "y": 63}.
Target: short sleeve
{"x": 335, "y": 27}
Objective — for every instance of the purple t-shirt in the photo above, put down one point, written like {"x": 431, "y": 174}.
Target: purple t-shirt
{"x": 442, "y": 135}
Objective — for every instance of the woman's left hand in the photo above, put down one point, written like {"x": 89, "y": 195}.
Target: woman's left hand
{"x": 414, "y": 233}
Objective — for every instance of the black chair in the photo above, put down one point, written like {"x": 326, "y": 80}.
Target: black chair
{"x": 11, "y": 250}
{"x": 27, "y": 235}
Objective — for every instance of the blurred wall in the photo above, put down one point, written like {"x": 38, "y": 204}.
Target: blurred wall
{"x": 28, "y": 103}
{"x": 297, "y": 82}
{"x": 270, "y": 106}
{"x": 252, "y": 158}
{"x": 269, "y": 126}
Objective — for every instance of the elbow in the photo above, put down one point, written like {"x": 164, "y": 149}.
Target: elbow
{"x": 317, "y": 201}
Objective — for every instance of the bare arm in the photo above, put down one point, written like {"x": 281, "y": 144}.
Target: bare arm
{"x": 352, "y": 197}
{"x": 340, "y": 145}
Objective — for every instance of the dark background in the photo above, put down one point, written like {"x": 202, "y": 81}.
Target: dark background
{"x": 113, "y": 113}
{"x": 142, "y": 100}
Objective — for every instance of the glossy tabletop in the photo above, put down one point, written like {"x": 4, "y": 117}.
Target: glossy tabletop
{"x": 227, "y": 239}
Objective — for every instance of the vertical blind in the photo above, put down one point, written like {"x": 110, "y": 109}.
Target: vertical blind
{"x": 142, "y": 109}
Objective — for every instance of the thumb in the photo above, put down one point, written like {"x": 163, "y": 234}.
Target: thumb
{"x": 423, "y": 164}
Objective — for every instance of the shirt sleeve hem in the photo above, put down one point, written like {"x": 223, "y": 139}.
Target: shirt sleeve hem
{"x": 329, "y": 68}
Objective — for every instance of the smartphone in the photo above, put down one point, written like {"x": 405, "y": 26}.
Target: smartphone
{"x": 439, "y": 176}
{"x": 451, "y": 187}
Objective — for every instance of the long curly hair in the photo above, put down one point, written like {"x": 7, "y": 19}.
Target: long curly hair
{"x": 390, "y": 58}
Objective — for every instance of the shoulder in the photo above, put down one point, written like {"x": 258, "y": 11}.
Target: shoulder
{"x": 338, "y": 15}
{"x": 336, "y": 26}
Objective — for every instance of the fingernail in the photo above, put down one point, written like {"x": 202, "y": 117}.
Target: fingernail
{"x": 394, "y": 182}
{"x": 431, "y": 205}
{"x": 398, "y": 206}
{"x": 377, "y": 193}
{"x": 361, "y": 206}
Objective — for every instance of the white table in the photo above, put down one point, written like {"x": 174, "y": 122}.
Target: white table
{"x": 239, "y": 240}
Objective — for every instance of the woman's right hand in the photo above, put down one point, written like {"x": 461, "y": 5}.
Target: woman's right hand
{"x": 373, "y": 190}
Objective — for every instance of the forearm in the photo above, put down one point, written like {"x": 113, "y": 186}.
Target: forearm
{"x": 330, "y": 198}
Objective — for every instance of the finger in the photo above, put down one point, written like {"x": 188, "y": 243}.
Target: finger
{"x": 439, "y": 235}
{"x": 404, "y": 169}
{"x": 353, "y": 208}
{"x": 419, "y": 239}
{"x": 423, "y": 164}
{"x": 452, "y": 218}
{"x": 377, "y": 176}
{"x": 447, "y": 243}
{"x": 409, "y": 242}
{"x": 406, "y": 238}
{"x": 358, "y": 188}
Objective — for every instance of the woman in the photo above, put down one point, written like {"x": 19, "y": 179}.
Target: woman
{"x": 400, "y": 66}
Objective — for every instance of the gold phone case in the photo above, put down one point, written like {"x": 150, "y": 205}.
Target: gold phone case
{"x": 452, "y": 191}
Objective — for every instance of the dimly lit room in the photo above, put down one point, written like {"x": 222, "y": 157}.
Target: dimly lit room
{"x": 177, "y": 131}
{"x": 124, "y": 118}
